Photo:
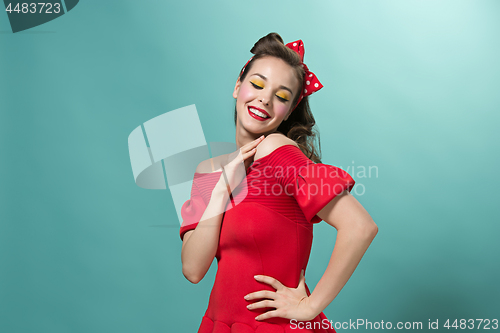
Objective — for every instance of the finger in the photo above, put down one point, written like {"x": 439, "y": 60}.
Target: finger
{"x": 239, "y": 156}
{"x": 256, "y": 141}
{"x": 261, "y": 294}
{"x": 302, "y": 281}
{"x": 244, "y": 153}
{"x": 269, "y": 280}
{"x": 253, "y": 143}
{"x": 250, "y": 152}
{"x": 269, "y": 314}
{"x": 260, "y": 138}
{"x": 245, "y": 150}
{"x": 262, "y": 304}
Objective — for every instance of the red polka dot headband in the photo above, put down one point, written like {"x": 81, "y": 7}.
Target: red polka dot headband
{"x": 311, "y": 83}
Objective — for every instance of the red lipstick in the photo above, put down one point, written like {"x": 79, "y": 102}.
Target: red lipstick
{"x": 256, "y": 116}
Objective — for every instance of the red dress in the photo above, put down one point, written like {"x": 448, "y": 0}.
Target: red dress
{"x": 283, "y": 192}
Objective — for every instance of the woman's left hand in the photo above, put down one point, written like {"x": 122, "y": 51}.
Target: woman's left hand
{"x": 290, "y": 303}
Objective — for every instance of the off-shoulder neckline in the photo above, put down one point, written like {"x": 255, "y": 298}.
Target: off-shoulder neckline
{"x": 251, "y": 166}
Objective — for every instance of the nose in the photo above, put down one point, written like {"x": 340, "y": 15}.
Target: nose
{"x": 265, "y": 98}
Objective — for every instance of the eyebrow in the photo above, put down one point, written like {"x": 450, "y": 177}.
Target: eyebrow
{"x": 265, "y": 78}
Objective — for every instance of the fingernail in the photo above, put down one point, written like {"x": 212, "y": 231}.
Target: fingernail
{"x": 246, "y": 297}
{"x": 256, "y": 276}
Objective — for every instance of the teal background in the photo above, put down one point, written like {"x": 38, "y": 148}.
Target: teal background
{"x": 410, "y": 87}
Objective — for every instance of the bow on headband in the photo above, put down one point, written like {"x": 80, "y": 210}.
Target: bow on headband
{"x": 311, "y": 83}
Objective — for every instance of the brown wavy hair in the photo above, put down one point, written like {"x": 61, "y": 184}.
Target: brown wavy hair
{"x": 300, "y": 124}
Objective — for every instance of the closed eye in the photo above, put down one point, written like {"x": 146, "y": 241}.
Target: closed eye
{"x": 282, "y": 99}
{"x": 256, "y": 86}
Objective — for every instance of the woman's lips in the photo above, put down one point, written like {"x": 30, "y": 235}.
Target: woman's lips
{"x": 256, "y": 116}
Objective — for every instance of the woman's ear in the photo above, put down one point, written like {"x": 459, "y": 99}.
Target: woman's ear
{"x": 237, "y": 88}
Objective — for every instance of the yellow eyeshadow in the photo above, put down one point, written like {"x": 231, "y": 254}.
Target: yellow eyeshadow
{"x": 283, "y": 95}
{"x": 258, "y": 83}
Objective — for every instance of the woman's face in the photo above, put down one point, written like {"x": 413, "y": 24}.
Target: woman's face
{"x": 268, "y": 90}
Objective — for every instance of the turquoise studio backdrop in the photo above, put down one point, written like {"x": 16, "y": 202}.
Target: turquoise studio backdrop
{"x": 411, "y": 89}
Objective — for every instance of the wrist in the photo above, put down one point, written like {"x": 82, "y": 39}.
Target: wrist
{"x": 220, "y": 190}
{"x": 315, "y": 305}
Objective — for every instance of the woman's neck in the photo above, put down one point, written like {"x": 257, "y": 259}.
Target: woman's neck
{"x": 246, "y": 137}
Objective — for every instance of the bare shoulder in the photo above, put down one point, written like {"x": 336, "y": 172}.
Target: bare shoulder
{"x": 212, "y": 164}
{"x": 272, "y": 142}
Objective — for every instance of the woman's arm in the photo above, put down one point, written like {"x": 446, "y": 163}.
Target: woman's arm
{"x": 199, "y": 246}
{"x": 355, "y": 231}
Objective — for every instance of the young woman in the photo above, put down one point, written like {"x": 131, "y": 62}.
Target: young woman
{"x": 254, "y": 209}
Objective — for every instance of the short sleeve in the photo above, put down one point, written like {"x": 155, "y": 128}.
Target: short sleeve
{"x": 192, "y": 210}
{"x": 317, "y": 185}
{"x": 313, "y": 185}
